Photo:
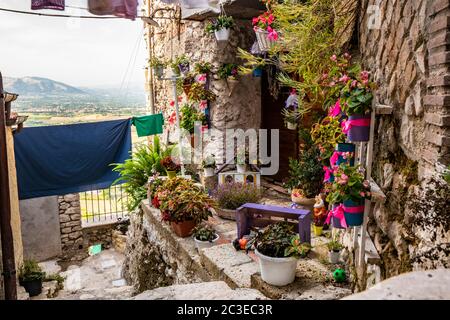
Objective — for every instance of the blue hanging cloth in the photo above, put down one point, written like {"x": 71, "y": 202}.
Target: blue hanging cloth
{"x": 58, "y": 160}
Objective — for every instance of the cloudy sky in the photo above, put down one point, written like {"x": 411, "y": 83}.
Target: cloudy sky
{"x": 79, "y": 52}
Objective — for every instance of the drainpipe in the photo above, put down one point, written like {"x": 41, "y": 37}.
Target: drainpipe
{"x": 9, "y": 266}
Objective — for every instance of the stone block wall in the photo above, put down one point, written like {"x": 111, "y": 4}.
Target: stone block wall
{"x": 241, "y": 109}
{"x": 409, "y": 59}
{"x": 99, "y": 234}
{"x": 70, "y": 221}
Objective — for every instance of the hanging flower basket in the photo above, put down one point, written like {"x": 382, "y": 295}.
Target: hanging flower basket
{"x": 264, "y": 42}
{"x": 184, "y": 68}
{"x": 159, "y": 71}
{"x": 222, "y": 34}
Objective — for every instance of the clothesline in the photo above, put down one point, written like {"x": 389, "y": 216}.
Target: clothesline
{"x": 72, "y": 16}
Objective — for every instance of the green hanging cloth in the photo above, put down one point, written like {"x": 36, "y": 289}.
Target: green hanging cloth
{"x": 148, "y": 125}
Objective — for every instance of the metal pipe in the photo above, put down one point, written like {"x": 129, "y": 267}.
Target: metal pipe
{"x": 9, "y": 265}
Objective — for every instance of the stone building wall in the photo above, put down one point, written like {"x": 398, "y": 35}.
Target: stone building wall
{"x": 240, "y": 110}
{"x": 70, "y": 224}
{"x": 409, "y": 59}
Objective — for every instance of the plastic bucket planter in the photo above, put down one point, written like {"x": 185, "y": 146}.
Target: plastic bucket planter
{"x": 257, "y": 73}
{"x": 354, "y": 213}
{"x": 360, "y": 128}
{"x": 222, "y": 34}
{"x": 335, "y": 221}
{"x": 277, "y": 271}
{"x": 346, "y": 147}
{"x": 205, "y": 244}
{"x": 33, "y": 287}
{"x": 317, "y": 230}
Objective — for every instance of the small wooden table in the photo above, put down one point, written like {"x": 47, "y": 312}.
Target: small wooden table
{"x": 260, "y": 215}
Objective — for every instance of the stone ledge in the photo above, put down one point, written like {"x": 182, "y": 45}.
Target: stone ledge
{"x": 439, "y": 23}
{"x": 437, "y": 100}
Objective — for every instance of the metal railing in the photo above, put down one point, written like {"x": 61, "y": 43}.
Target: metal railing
{"x": 103, "y": 206}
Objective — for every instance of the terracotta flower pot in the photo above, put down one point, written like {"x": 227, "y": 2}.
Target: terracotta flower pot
{"x": 187, "y": 89}
{"x": 183, "y": 229}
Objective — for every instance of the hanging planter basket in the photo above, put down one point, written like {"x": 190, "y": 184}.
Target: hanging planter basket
{"x": 222, "y": 34}
{"x": 159, "y": 71}
{"x": 184, "y": 68}
{"x": 264, "y": 43}
{"x": 359, "y": 130}
{"x": 354, "y": 212}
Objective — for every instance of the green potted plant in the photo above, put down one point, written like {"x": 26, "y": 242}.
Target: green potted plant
{"x": 158, "y": 66}
{"x": 327, "y": 134}
{"x": 203, "y": 70}
{"x": 348, "y": 191}
{"x": 266, "y": 35}
{"x": 189, "y": 116}
{"x": 291, "y": 117}
{"x": 180, "y": 65}
{"x": 229, "y": 72}
{"x": 278, "y": 247}
{"x": 334, "y": 251}
{"x": 183, "y": 204}
{"x": 220, "y": 27}
{"x": 171, "y": 166}
{"x": 231, "y": 195}
{"x": 31, "y": 277}
{"x": 198, "y": 93}
{"x": 209, "y": 165}
{"x": 306, "y": 177}
{"x": 204, "y": 236}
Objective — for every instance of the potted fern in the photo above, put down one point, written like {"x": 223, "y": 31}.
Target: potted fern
{"x": 220, "y": 27}
{"x": 204, "y": 236}
{"x": 158, "y": 67}
{"x": 31, "y": 277}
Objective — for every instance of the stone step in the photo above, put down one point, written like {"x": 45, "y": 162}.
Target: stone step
{"x": 215, "y": 290}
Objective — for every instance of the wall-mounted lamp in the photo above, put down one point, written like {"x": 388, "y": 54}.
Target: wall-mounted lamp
{"x": 150, "y": 21}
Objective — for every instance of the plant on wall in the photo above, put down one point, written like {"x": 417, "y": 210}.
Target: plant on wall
{"x": 326, "y": 135}
{"x": 220, "y": 27}
{"x": 228, "y": 71}
{"x": 189, "y": 115}
{"x": 202, "y": 67}
{"x": 198, "y": 93}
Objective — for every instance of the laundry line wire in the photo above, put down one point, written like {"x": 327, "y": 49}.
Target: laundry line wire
{"x": 72, "y": 16}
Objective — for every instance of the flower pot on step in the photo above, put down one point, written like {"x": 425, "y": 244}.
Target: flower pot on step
{"x": 171, "y": 174}
{"x": 205, "y": 244}
{"x": 317, "y": 230}
{"x": 183, "y": 229}
{"x": 33, "y": 287}
{"x": 277, "y": 271}
{"x": 359, "y": 127}
{"x": 334, "y": 256}
{"x": 354, "y": 212}
{"x": 222, "y": 34}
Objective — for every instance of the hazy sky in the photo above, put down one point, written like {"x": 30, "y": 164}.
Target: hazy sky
{"x": 79, "y": 52}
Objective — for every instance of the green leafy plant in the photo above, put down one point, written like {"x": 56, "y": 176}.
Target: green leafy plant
{"x": 204, "y": 232}
{"x": 279, "y": 240}
{"x": 221, "y": 22}
{"x": 228, "y": 71}
{"x": 209, "y": 162}
{"x": 251, "y": 62}
{"x": 349, "y": 184}
{"x": 181, "y": 60}
{"x": 135, "y": 172}
{"x": 155, "y": 62}
{"x": 181, "y": 200}
{"x": 334, "y": 245}
{"x": 306, "y": 173}
{"x": 326, "y": 135}
{"x": 30, "y": 271}
{"x": 199, "y": 93}
{"x": 202, "y": 67}
{"x": 447, "y": 175}
{"x": 232, "y": 195}
{"x": 190, "y": 115}
{"x": 292, "y": 115}
{"x": 357, "y": 101}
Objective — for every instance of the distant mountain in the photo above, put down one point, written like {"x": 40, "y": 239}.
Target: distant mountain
{"x": 32, "y": 86}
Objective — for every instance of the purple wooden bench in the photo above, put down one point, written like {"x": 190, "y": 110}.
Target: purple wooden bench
{"x": 259, "y": 215}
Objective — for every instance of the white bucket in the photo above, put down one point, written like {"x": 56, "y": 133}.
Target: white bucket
{"x": 334, "y": 256}
{"x": 291, "y": 126}
{"x": 277, "y": 271}
{"x": 205, "y": 244}
{"x": 222, "y": 34}
{"x": 208, "y": 172}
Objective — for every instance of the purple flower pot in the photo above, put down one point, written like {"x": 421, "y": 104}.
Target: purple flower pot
{"x": 346, "y": 147}
{"x": 184, "y": 68}
{"x": 336, "y": 222}
{"x": 358, "y": 131}
{"x": 354, "y": 213}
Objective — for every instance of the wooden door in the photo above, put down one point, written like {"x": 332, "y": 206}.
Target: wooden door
{"x": 272, "y": 119}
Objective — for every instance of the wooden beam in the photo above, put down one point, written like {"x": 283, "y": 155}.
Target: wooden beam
{"x": 9, "y": 266}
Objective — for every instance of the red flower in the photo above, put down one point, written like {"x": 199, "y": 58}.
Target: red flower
{"x": 155, "y": 202}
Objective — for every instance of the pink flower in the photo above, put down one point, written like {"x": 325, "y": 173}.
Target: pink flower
{"x": 332, "y": 84}
{"x": 201, "y": 78}
{"x": 271, "y": 18}
{"x": 364, "y": 75}
{"x": 334, "y": 158}
{"x": 324, "y": 76}
{"x": 345, "y": 78}
{"x": 347, "y": 56}
{"x": 255, "y": 20}
{"x": 333, "y": 58}
{"x": 354, "y": 83}
{"x": 273, "y": 35}
{"x": 343, "y": 179}
{"x": 362, "y": 194}
{"x": 172, "y": 103}
{"x": 366, "y": 184}
{"x": 335, "y": 110}
{"x": 203, "y": 104}
{"x": 173, "y": 118}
